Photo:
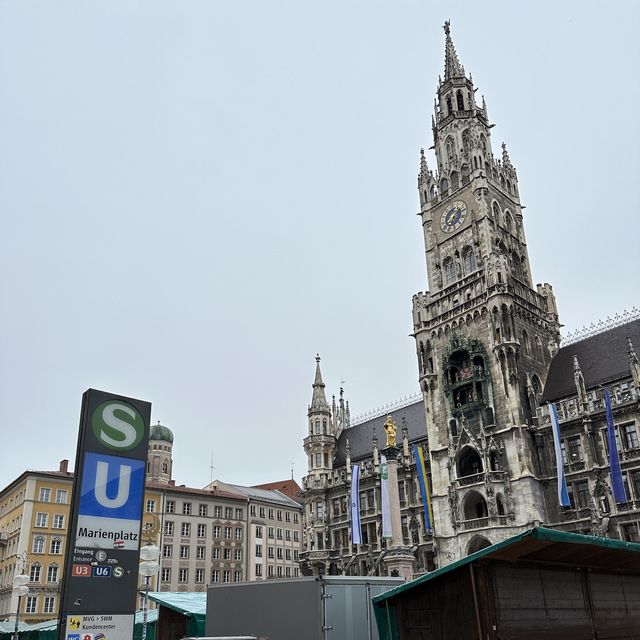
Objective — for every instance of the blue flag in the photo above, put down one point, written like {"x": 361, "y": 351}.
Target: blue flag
{"x": 563, "y": 495}
{"x": 616, "y": 473}
{"x": 423, "y": 481}
{"x": 356, "y": 529}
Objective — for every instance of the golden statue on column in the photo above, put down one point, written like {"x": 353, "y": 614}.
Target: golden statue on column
{"x": 390, "y": 429}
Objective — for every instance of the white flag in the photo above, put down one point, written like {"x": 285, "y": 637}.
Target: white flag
{"x": 386, "y": 510}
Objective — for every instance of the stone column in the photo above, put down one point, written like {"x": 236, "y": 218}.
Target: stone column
{"x": 399, "y": 558}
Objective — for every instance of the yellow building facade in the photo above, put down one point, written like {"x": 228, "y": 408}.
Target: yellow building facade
{"x": 34, "y": 521}
{"x": 34, "y": 514}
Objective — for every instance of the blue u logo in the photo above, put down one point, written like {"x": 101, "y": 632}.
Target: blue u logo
{"x": 112, "y": 487}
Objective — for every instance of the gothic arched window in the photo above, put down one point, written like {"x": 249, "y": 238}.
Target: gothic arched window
{"x": 465, "y": 171}
{"x": 460, "y": 101}
{"x": 475, "y": 506}
{"x": 525, "y": 343}
{"x": 496, "y": 212}
{"x": 515, "y": 265}
{"x": 469, "y": 463}
{"x": 451, "y": 148}
{"x": 449, "y": 271}
{"x": 535, "y": 383}
{"x": 539, "y": 353}
{"x": 449, "y": 105}
{"x": 469, "y": 260}
{"x": 455, "y": 182}
{"x": 508, "y": 222}
{"x": 444, "y": 187}
{"x": 523, "y": 268}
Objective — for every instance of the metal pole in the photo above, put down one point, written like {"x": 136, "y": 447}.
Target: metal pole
{"x": 15, "y": 634}
{"x": 144, "y": 608}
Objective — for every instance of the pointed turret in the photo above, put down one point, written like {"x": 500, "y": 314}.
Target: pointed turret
{"x": 318, "y": 398}
{"x": 342, "y": 419}
{"x": 424, "y": 167}
{"x": 506, "y": 160}
{"x": 452, "y": 66}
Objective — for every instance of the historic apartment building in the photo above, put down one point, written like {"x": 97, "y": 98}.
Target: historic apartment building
{"x": 34, "y": 514}
{"x": 489, "y": 358}
{"x": 274, "y": 531}
{"x": 204, "y": 535}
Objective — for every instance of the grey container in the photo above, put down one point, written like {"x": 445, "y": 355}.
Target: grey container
{"x": 314, "y": 608}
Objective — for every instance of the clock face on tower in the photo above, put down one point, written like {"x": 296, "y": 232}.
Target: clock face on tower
{"x": 453, "y": 216}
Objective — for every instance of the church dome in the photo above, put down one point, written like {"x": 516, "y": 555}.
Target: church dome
{"x": 160, "y": 432}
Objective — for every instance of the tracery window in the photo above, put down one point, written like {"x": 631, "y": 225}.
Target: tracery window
{"x": 449, "y": 271}
{"x": 469, "y": 260}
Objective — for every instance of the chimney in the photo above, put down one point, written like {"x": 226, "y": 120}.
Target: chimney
{"x": 64, "y": 466}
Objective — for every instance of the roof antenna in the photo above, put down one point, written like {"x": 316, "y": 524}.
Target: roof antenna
{"x": 211, "y": 467}
{"x": 293, "y": 464}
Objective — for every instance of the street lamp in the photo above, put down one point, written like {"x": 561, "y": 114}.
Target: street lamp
{"x": 149, "y": 554}
{"x": 20, "y": 588}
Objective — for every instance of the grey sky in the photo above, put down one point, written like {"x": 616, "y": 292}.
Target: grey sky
{"x": 196, "y": 197}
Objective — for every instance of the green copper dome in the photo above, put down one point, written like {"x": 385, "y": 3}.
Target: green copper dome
{"x": 160, "y": 432}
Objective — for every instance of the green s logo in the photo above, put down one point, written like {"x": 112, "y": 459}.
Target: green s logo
{"x": 117, "y": 425}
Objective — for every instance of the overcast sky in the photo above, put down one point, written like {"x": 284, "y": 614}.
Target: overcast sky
{"x": 196, "y": 197}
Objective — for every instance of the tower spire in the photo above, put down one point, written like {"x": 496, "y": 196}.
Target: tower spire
{"x": 318, "y": 398}
{"x": 452, "y": 66}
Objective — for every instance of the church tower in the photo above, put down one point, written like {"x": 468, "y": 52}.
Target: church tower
{"x": 484, "y": 334}
{"x": 160, "y": 455}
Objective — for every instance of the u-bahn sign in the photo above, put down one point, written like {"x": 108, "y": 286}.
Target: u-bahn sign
{"x": 101, "y": 566}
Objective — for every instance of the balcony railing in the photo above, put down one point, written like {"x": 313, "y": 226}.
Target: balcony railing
{"x": 477, "y": 523}
{"x": 630, "y": 454}
{"x": 467, "y": 481}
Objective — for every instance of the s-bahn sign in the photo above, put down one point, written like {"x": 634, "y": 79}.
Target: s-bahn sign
{"x": 101, "y": 565}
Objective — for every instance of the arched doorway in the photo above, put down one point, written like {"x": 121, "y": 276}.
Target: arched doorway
{"x": 476, "y": 543}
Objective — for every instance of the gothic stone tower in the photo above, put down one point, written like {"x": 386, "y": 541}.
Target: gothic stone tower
{"x": 326, "y": 423}
{"x": 484, "y": 335}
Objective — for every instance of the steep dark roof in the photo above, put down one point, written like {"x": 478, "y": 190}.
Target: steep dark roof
{"x": 360, "y": 435}
{"x": 603, "y": 359}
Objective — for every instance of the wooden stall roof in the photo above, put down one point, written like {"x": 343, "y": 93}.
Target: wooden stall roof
{"x": 543, "y": 545}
